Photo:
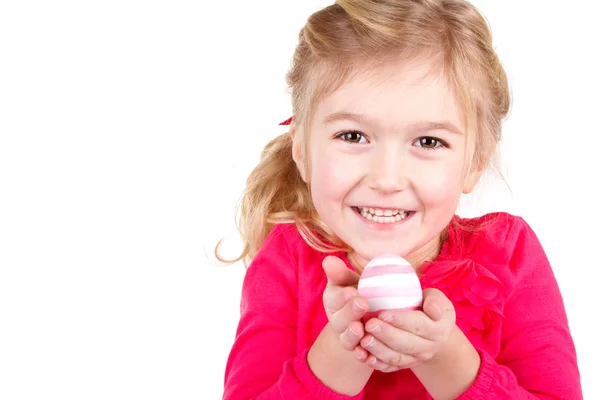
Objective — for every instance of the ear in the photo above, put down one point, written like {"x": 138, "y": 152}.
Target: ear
{"x": 473, "y": 176}
{"x": 471, "y": 181}
{"x": 298, "y": 151}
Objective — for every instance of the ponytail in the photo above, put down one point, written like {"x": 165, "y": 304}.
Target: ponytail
{"x": 275, "y": 193}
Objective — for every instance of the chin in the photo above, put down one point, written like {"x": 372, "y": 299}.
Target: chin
{"x": 375, "y": 251}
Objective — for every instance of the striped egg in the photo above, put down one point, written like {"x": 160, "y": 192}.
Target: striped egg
{"x": 389, "y": 282}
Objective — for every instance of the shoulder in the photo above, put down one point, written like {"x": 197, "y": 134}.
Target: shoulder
{"x": 494, "y": 225}
{"x": 271, "y": 275}
{"x": 284, "y": 240}
{"x": 282, "y": 266}
{"x": 284, "y": 250}
{"x": 497, "y": 238}
{"x": 502, "y": 243}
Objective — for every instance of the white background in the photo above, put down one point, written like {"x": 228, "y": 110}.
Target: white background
{"x": 127, "y": 131}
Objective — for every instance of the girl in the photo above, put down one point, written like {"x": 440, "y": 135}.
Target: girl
{"x": 397, "y": 111}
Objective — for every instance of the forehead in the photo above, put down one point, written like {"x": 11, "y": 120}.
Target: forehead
{"x": 393, "y": 96}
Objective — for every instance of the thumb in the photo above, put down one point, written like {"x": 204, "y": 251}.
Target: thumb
{"x": 436, "y": 304}
{"x": 338, "y": 273}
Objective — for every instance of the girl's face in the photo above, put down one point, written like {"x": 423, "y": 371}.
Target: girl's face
{"x": 388, "y": 156}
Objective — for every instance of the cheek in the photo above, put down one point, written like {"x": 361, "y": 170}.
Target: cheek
{"x": 440, "y": 186}
{"x": 331, "y": 178}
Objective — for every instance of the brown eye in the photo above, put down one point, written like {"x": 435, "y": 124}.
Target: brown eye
{"x": 352, "y": 137}
{"x": 429, "y": 142}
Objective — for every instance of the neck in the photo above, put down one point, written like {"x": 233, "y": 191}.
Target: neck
{"x": 428, "y": 252}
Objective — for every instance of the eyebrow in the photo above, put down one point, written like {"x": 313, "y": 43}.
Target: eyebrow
{"x": 419, "y": 126}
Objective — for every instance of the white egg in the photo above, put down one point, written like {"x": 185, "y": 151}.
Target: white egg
{"x": 389, "y": 282}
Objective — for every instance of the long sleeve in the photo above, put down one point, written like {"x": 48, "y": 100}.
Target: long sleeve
{"x": 537, "y": 358}
{"x": 264, "y": 363}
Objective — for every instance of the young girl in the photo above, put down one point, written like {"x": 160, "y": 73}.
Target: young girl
{"x": 397, "y": 111}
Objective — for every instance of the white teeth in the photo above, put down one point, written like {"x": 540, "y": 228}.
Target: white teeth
{"x": 382, "y": 215}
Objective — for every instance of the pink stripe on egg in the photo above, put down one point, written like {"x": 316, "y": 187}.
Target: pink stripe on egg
{"x": 389, "y": 291}
{"x": 386, "y": 270}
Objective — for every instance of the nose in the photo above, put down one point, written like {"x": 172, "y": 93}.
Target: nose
{"x": 388, "y": 172}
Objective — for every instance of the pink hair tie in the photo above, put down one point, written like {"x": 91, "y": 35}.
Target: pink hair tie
{"x": 287, "y": 121}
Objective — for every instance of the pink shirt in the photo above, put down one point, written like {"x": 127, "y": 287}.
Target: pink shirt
{"x": 497, "y": 276}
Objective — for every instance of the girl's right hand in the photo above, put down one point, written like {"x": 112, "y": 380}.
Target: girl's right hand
{"x": 332, "y": 357}
{"x": 343, "y": 306}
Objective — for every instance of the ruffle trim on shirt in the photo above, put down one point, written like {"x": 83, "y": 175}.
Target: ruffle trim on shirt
{"x": 478, "y": 295}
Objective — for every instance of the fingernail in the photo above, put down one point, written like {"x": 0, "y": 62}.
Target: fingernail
{"x": 374, "y": 329}
{"x": 357, "y": 354}
{"x": 385, "y": 317}
{"x": 358, "y": 306}
{"x": 352, "y": 331}
{"x": 370, "y": 342}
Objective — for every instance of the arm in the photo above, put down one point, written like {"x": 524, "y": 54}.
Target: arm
{"x": 440, "y": 375}
{"x": 537, "y": 359}
{"x": 336, "y": 367}
{"x": 264, "y": 363}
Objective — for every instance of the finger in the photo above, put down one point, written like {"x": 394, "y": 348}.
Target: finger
{"x": 338, "y": 273}
{"x": 436, "y": 305}
{"x": 413, "y": 321}
{"x": 350, "y": 338}
{"x": 388, "y": 339}
{"x": 386, "y": 368}
{"x": 361, "y": 354}
{"x": 379, "y": 352}
{"x": 374, "y": 363}
{"x": 397, "y": 340}
{"x": 353, "y": 310}
{"x": 336, "y": 297}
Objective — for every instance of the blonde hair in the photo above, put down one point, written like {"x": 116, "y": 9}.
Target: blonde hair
{"x": 348, "y": 38}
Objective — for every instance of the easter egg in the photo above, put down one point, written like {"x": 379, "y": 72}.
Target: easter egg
{"x": 389, "y": 282}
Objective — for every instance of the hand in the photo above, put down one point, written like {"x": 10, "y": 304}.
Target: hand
{"x": 405, "y": 339}
{"x": 343, "y": 306}
{"x": 329, "y": 358}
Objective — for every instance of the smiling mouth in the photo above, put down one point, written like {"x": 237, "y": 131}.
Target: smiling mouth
{"x": 382, "y": 215}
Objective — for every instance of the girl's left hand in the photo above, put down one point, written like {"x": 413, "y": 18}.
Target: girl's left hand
{"x": 404, "y": 339}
